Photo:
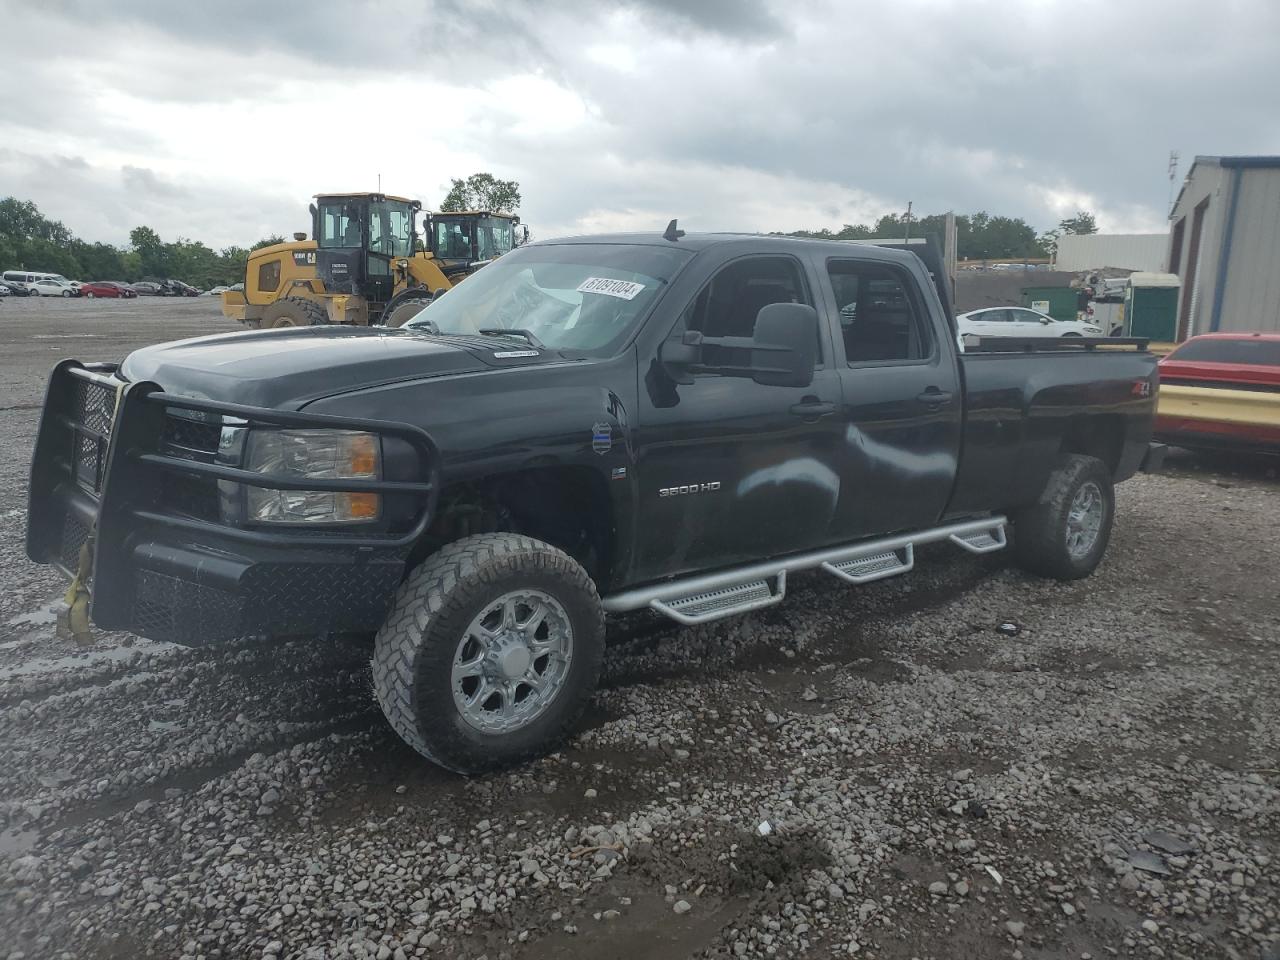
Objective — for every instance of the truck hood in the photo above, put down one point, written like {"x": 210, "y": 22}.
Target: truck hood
{"x": 291, "y": 367}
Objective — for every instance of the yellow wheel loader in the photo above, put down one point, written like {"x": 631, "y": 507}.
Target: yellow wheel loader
{"x": 363, "y": 265}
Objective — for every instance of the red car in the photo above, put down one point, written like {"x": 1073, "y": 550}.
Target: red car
{"x": 1222, "y": 391}
{"x": 105, "y": 288}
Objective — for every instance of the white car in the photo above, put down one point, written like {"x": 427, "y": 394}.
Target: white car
{"x": 1020, "y": 322}
{"x": 52, "y": 288}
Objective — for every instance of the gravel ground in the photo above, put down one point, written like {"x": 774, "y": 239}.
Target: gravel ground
{"x": 962, "y": 763}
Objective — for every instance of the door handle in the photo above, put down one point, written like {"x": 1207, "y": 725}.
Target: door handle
{"x": 811, "y": 408}
{"x": 934, "y": 397}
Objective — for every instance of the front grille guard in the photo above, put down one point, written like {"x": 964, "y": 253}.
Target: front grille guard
{"x": 129, "y": 470}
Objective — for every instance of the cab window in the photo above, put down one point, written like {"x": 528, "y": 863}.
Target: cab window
{"x": 269, "y": 276}
{"x": 727, "y": 306}
{"x": 339, "y": 225}
{"x": 881, "y": 317}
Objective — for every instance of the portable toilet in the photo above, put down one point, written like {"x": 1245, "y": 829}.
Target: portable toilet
{"x": 1061, "y": 303}
{"x": 1151, "y": 306}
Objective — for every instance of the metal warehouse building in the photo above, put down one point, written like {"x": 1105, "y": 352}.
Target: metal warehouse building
{"x": 1224, "y": 243}
{"x": 1124, "y": 251}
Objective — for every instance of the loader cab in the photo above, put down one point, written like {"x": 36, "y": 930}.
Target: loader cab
{"x": 358, "y": 237}
{"x": 468, "y": 238}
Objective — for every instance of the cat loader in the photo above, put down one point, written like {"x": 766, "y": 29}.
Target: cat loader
{"x": 362, "y": 266}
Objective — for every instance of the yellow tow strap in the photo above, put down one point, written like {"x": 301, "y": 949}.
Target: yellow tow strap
{"x": 73, "y": 623}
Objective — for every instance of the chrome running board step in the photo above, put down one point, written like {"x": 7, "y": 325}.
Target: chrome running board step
{"x": 983, "y": 541}
{"x": 874, "y": 566}
{"x": 725, "y": 602}
{"x": 726, "y": 593}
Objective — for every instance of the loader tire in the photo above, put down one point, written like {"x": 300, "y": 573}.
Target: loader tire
{"x": 294, "y": 312}
{"x": 491, "y": 652}
{"x": 401, "y": 310}
{"x": 1065, "y": 533}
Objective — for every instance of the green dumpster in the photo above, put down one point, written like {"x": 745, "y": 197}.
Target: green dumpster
{"x": 1151, "y": 306}
{"x": 1058, "y": 302}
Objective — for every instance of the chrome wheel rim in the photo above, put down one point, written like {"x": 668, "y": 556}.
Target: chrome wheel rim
{"x": 512, "y": 661}
{"x": 1084, "y": 520}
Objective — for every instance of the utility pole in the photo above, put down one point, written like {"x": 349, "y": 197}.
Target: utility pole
{"x": 1173, "y": 175}
{"x": 906, "y": 219}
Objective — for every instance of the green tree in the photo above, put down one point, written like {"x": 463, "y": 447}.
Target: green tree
{"x": 146, "y": 243}
{"x": 98, "y": 261}
{"x": 1082, "y": 223}
{"x": 978, "y": 235}
{"x": 21, "y": 219}
{"x": 482, "y": 191}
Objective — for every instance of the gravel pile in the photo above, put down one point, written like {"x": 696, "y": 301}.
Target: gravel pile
{"x": 962, "y": 763}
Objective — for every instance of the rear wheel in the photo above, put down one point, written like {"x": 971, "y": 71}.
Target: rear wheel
{"x": 491, "y": 652}
{"x": 1065, "y": 534}
{"x": 294, "y": 312}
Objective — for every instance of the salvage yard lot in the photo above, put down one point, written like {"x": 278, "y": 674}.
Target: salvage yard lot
{"x": 962, "y": 763}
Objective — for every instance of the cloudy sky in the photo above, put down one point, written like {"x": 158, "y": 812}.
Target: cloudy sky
{"x": 218, "y": 120}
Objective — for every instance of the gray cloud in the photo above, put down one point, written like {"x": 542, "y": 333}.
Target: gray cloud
{"x": 738, "y": 114}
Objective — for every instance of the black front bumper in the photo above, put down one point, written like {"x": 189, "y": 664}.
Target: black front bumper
{"x": 164, "y": 565}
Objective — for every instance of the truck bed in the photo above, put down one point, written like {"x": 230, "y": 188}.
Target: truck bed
{"x": 1026, "y": 401}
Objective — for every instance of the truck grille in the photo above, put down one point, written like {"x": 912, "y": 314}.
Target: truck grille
{"x": 188, "y": 439}
{"x": 95, "y": 406}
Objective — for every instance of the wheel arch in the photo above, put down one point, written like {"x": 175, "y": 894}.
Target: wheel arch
{"x": 1095, "y": 435}
{"x": 565, "y": 505}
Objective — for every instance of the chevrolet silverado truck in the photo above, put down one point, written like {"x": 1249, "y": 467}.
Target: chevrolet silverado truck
{"x": 588, "y": 426}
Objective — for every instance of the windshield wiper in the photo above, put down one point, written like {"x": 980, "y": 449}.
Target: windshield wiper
{"x": 514, "y": 332}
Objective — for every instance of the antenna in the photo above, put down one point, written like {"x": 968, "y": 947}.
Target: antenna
{"x": 379, "y": 183}
{"x": 672, "y": 233}
{"x": 1173, "y": 174}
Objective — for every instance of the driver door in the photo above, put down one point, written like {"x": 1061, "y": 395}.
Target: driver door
{"x": 731, "y": 470}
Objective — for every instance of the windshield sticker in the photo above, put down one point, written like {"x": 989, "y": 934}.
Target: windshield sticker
{"x": 622, "y": 289}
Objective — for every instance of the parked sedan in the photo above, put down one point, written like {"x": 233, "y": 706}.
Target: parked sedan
{"x": 146, "y": 288}
{"x": 106, "y": 288}
{"x": 52, "y": 288}
{"x": 14, "y": 289}
{"x": 1222, "y": 391}
{"x": 1021, "y": 322}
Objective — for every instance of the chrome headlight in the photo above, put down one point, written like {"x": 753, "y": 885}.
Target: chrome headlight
{"x": 312, "y": 454}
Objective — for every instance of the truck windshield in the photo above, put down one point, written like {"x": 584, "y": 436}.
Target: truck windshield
{"x": 577, "y": 297}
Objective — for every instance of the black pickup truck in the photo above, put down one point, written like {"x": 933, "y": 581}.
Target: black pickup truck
{"x": 589, "y": 425}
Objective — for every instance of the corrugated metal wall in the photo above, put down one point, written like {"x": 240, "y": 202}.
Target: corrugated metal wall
{"x": 1251, "y": 298}
{"x": 1205, "y": 183}
{"x": 1125, "y": 251}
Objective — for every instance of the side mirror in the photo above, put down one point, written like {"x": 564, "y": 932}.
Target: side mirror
{"x": 1044, "y": 321}
{"x": 679, "y": 355}
{"x": 784, "y": 345}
